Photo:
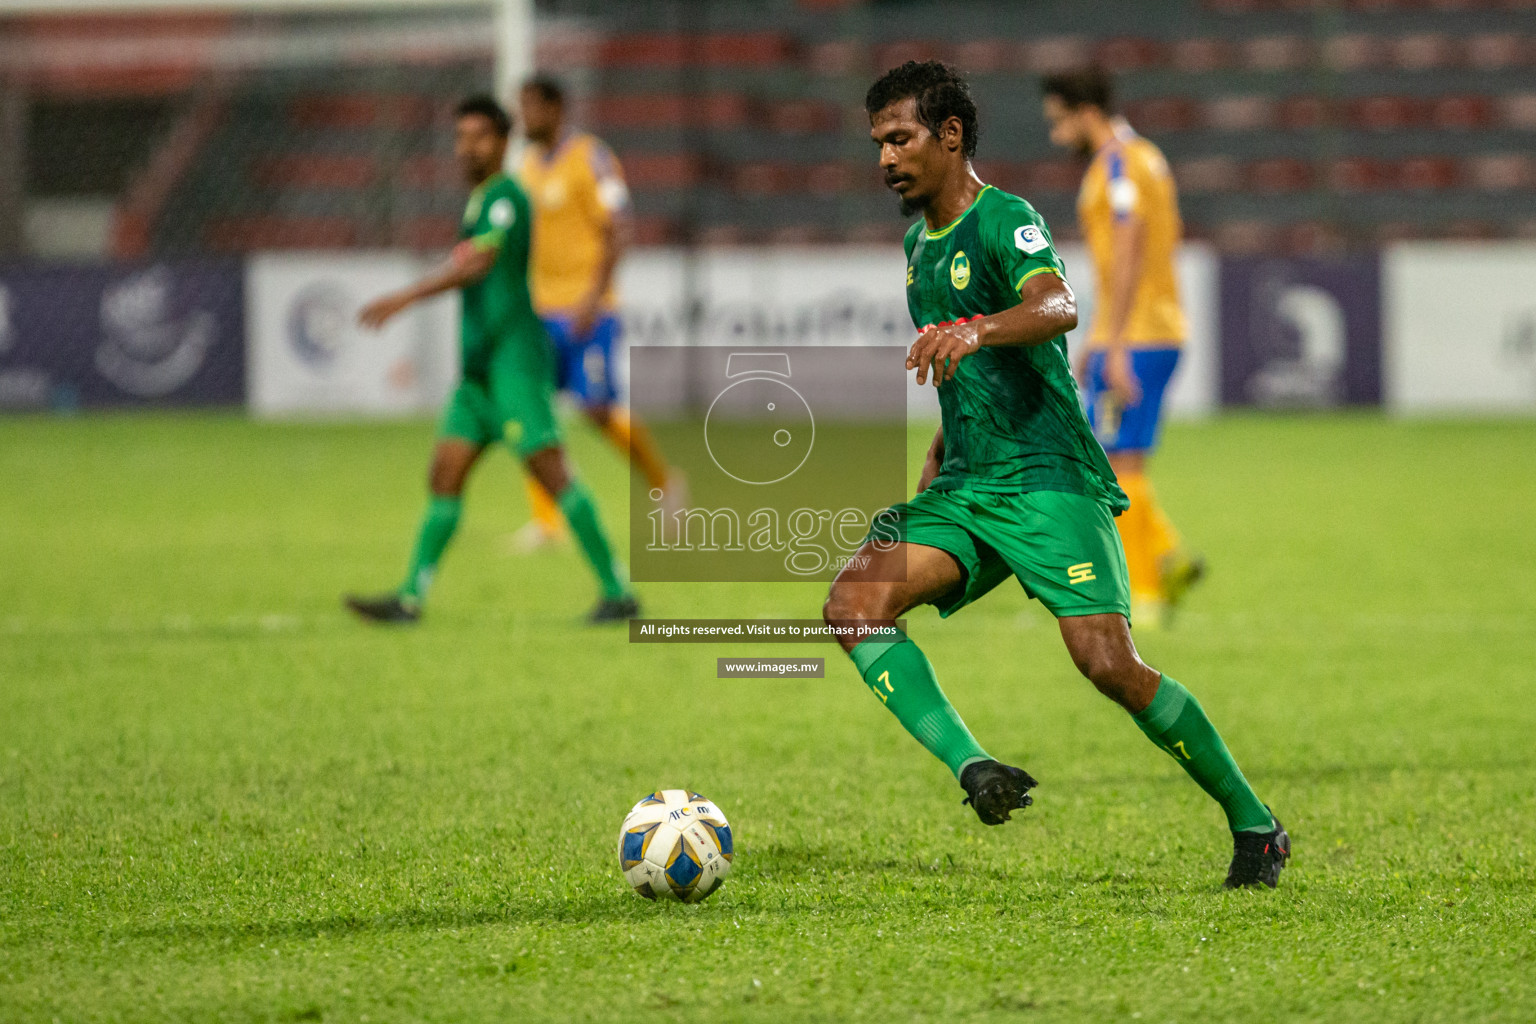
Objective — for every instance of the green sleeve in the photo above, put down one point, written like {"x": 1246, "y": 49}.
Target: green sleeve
{"x": 1020, "y": 245}
{"x": 499, "y": 215}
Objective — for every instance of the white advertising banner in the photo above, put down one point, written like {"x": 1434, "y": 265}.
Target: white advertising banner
{"x": 307, "y": 355}
{"x": 1196, "y": 383}
{"x": 1460, "y": 327}
{"x": 854, "y": 296}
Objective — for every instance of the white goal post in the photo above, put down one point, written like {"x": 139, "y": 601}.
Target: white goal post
{"x": 513, "y": 19}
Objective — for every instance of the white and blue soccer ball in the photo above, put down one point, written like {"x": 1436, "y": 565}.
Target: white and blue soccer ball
{"x": 675, "y": 845}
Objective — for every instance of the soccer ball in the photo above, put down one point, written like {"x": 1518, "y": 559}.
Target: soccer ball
{"x": 675, "y": 845}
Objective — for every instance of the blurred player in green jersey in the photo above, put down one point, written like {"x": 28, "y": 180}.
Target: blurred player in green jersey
{"x": 507, "y": 385}
{"x": 1014, "y": 483}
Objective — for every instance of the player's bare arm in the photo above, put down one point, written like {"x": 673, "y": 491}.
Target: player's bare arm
{"x": 467, "y": 264}
{"x": 615, "y": 240}
{"x": 1128, "y": 248}
{"x": 933, "y": 462}
{"x": 1046, "y": 309}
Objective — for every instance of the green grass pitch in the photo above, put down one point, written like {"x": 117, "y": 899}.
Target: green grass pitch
{"x": 220, "y": 799}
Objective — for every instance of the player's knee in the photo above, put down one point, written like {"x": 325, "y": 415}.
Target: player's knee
{"x": 851, "y": 603}
{"x": 1112, "y": 673}
{"x": 445, "y": 479}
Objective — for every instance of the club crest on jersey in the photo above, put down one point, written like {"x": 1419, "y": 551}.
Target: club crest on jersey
{"x": 1029, "y": 239}
{"x": 960, "y": 270}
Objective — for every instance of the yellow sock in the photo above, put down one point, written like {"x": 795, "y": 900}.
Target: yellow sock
{"x": 545, "y": 512}
{"x": 1163, "y": 537}
{"x": 1136, "y": 534}
{"x": 631, "y": 437}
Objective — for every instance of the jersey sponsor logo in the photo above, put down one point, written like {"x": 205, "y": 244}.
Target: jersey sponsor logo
{"x": 1082, "y": 572}
{"x": 911, "y": 276}
{"x": 502, "y": 213}
{"x": 960, "y": 270}
{"x": 1029, "y": 239}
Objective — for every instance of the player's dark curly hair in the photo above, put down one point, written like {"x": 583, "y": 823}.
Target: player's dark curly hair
{"x": 488, "y": 108}
{"x": 1090, "y": 86}
{"x": 940, "y": 91}
{"x": 549, "y": 88}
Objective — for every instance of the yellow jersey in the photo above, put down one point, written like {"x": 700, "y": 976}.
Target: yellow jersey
{"x": 1129, "y": 178}
{"x": 576, "y": 189}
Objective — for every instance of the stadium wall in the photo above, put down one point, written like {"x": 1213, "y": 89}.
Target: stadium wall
{"x": 1419, "y": 328}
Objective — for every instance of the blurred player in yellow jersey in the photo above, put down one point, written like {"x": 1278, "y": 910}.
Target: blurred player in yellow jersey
{"x": 580, "y": 210}
{"x": 1129, "y": 213}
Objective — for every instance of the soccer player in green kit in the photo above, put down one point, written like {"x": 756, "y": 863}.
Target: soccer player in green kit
{"x": 507, "y": 386}
{"x": 1014, "y": 483}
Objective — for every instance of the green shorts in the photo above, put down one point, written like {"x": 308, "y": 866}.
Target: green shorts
{"x": 1063, "y": 547}
{"x": 508, "y": 402}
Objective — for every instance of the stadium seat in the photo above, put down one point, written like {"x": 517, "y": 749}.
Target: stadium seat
{"x": 1384, "y": 113}
{"x": 1354, "y": 52}
{"x": 1423, "y": 51}
{"x": 1361, "y": 174}
{"x": 890, "y": 54}
{"x": 1276, "y": 53}
{"x": 1311, "y": 238}
{"x": 1428, "y": 174}
{"x": 315, "y": 170}
{"x": 1299, "y": 113}
{"x": 1051, "y": 176}
{"x": 1208, "y": 174}
{"x": 425, "y": 233}
{"x": 1500, "y": 172}
{"x": 833, "y": 57}
{"x": 799, "y": 234}
{"x": 767, "y": 179}
{"x": 1495, "y": 51}
{"x": 652, "y": 230}
{"x": 674, "y": 50}
{"x": 831, "y": 178}
{"x": 430, "y": 171}
{"x": 1244, "y": 236}
{"x": 1240, "y": 113}
{"x": 1163, "y": 115}
{"x": 1201, "y": 55}
{"x": 244, "y": 234}
{"x": 363, "y": 111}
{"x": 1518, "y": 111}
{"x": 1280, "y": 174}
{"x": 983, "y": 56}
{"x": 1045, "y": 55}
{"x": 1127, "y": 53}
{"x": 1461, "y": 113}
{"x": 662, "y": 171}
{"x": 668, "y": 110}
{"x": 804, "y": 117}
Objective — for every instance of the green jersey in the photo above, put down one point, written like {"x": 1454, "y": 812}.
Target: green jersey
{"x": 1012, "y": 419}
{"x": 497, "y": 308}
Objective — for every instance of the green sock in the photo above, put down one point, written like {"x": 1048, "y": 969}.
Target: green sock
{"x": 576, "y": 502}
{"x": 437, "y": 529}
{"x": 1176, "y": 722}
{"x": 899, "y": 674}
